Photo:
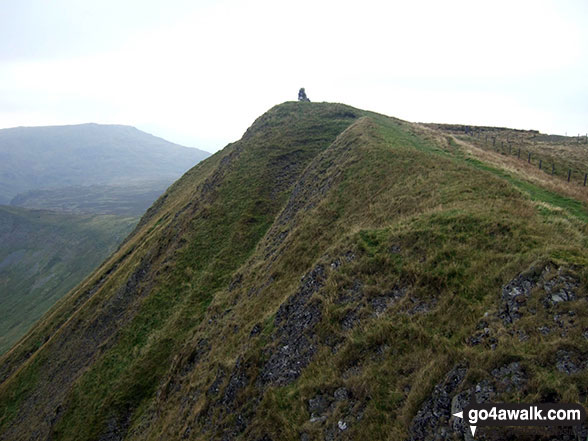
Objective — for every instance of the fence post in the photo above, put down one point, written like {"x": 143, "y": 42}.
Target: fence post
{"x": 519, "y": 154}
{"x": 493, "y": 141}
{"x": 540, "y": 161}
{"x": 569, "y": 174}
{"x": 529, "y": 160}
{"x": 585, "y": 176}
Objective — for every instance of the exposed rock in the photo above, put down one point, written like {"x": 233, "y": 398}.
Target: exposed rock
{"x": 349, "y": 256}
{"x": 351, "y": 319}
{"x": 510, "y": 377}
{"x": 182, "y": 368}
{"x": 570, "y": 362}
{"x": 352, "y": 371}
{"x": 522, "y": 335}
{"x": 286, "y": 168}
{"x": 515, "y": 294}
{"x": 295, "y": 322}
{"x": 561, "y": 288}
{"x": 236, "y": 282}
{"x": 381, "y": 303}
{"x": 323, "y": 408}
{"x": 238, "y": 381}
{"x": 255, "y": 330}
{"x": 565, "y": 321}
{"x": 226, "y": 401}
{"x": 202, "y": 348}
{"x": 214, "y": 388}
{"x": 353, "y": 294}
{"x": 335, "y": 264}
{"x": 341, "y": 394}
{"x": 483, "y": 336}
{"x": 483, "y": 392}
{"x": 420, "y": 306}
{"x": 318, "y": 404}
{"x": 432, "y": 420}
{"x": 544, "y": 330}
{"x": 116, "y": 429}
{"x": 394, "y": 249}
{"x": 317, "y": 407}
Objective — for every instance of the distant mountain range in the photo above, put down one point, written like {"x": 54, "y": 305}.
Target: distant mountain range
{"x": 75, "y": 193}
{"x": 42, "y": 158}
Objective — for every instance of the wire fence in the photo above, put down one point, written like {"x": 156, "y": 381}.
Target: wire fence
{"x": 547, "y": 165}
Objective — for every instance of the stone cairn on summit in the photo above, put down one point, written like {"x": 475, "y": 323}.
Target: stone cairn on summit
{"x": 302, "y": 95}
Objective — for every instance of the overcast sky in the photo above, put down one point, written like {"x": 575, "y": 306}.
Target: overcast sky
{"x": 199, "y": 72}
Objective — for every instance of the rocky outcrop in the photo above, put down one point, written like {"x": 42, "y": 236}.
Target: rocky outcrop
{"x": 294, "y": 336}
{"x": 432, "y": 420}
{"x": 555, "y": 285}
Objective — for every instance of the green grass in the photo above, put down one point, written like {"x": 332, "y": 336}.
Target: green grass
{"x": 561, "y": 152}
{"x": 232, "y": 222}
{"x": 44, "y": 255}
{"x": 228, "y": 245}
{"x": 537, "y": 193}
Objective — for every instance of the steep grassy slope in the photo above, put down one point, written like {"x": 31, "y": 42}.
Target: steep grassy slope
{"x": 334, "y": 273}
{"x": 45, "y": 254}
{"x": 33, "y": 158}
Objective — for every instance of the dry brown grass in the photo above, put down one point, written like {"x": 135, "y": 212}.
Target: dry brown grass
{"x": 518, "y": 167}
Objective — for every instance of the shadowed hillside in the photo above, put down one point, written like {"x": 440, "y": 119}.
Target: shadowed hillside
{"x": 81, "y": 173}
{"x": 43, "y": 255}
{"x": 334, "y": 273}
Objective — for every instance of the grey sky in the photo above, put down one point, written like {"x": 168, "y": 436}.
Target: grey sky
{"x": 198, "y": 73}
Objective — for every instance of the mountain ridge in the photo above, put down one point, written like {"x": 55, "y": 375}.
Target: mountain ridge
{"x": 303, "y": 283}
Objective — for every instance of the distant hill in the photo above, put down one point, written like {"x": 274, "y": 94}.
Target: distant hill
{"x": 43, "y": 255}
{"x": 33, "y": 158}
{"x": 82, "y": 173}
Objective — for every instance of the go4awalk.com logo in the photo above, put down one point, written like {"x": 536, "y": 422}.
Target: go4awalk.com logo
{"x": 510, "y": 414}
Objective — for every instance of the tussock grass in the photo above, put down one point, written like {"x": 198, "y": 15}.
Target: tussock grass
{"x": 391, "y": 210}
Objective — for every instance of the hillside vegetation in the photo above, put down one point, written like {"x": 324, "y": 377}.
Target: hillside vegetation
{"x": 45, "y": 254}
{"x": 335, "y": 274}
{"x": 127, "y": 200}
{"x": 81, "y": 173}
